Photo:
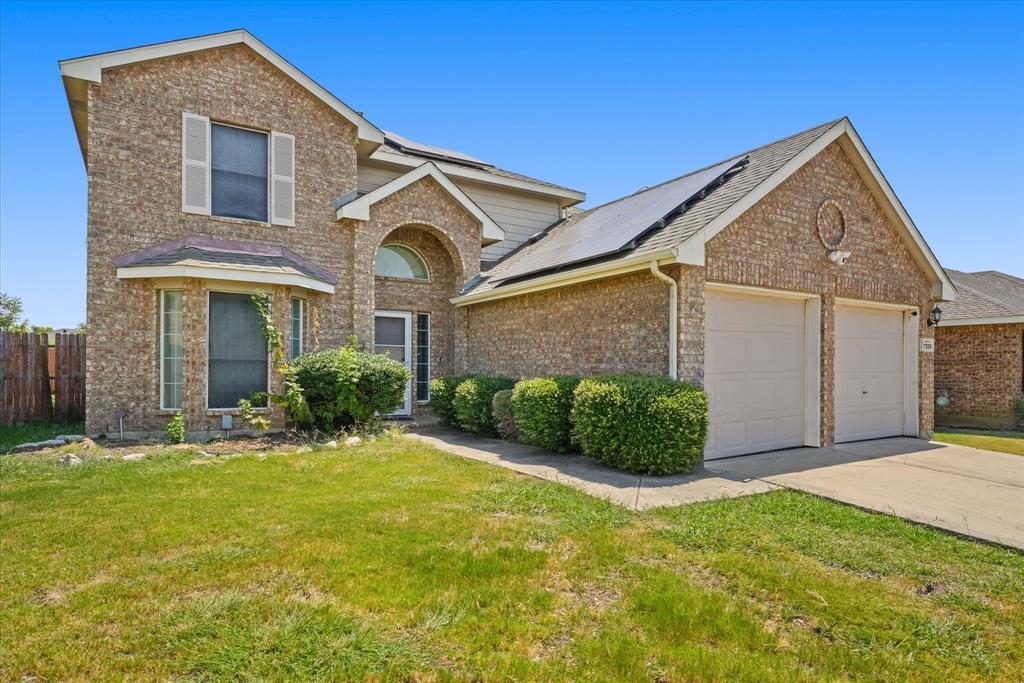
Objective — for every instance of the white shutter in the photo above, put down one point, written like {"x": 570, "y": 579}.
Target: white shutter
{"x": 195, "y": 163}
{"x": 282, "y": 179}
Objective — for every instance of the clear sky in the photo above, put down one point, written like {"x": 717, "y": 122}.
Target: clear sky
{"x": 605, "y": 98}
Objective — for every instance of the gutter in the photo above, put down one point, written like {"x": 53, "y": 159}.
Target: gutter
{"x": 673, "y": 319}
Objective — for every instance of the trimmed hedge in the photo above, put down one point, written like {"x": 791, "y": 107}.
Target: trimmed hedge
{"x": 442, "y": 398}
{"x": 641, "y": 423}
{"x": 542, "y": 408}
{"x": 504, "y": 420}
{"x": 473, "y": 398}
{"x": 346, "y": 386}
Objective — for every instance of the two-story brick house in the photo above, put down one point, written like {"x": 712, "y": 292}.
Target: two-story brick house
{"x": 789, "y": 280}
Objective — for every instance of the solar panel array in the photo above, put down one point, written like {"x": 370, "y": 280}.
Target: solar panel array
{"x": 420, "y": 149}
{"x": 614, "y": 227}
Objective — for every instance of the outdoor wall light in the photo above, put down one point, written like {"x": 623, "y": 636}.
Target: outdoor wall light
{"x": 935, "y": 317}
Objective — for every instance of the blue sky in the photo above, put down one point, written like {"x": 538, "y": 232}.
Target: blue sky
{"x": 605, "y": 98}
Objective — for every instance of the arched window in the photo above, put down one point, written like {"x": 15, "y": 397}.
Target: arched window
{"x": 394, "y": 260}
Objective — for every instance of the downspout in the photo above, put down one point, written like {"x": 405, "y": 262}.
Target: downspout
{"x": 673, "y": 319}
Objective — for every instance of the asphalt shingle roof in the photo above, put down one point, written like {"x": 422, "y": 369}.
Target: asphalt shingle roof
{"x": 987, "y": 294}
{"x": 762, "y": 163}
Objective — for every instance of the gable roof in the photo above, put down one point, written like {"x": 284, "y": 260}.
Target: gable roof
{"x": 987, "y": 297}
{"x": 682, "y": 237}
{"x": 357, "y": 207}
{"x": 80, "y": 71}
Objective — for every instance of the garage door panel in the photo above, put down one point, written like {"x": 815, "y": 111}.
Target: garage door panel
{"x": 754, "y": 373}
{"x": 869, "y": 381}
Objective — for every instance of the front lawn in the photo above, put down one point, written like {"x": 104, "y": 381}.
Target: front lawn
{"x": 393, "y": 560}
{"x": 1004, "y": 442}
{"x": 15, "y": 435}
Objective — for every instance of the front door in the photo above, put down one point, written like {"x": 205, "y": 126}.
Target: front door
{"x": 392, "y": 335}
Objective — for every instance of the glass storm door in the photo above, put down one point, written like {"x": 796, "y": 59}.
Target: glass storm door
{"x": 392, "y": 336}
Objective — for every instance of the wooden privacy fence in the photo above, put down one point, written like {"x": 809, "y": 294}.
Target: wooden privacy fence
{"x": 39, "y": 382}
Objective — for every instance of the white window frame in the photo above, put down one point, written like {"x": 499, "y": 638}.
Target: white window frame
{"x": 163, "y": 300}
{"x": 416, "y": 364}
{"x": 426, "y": 267}
{"x": 270, "y": 364}
{"x": 291, "y": 327}
{"x": 270, "y": 188}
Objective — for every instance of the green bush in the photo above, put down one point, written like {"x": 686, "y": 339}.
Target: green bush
{"x": 473, "y": 398}
{"x": 542, "y": 408}
{"x": 442, "y": 398}
{"x": 504, "y": 420}
{"x": 641, "y": 423}
{"x": 175, "y": 430}
{"x": 346, "y": 386}
{"x": 1018, "y": 411}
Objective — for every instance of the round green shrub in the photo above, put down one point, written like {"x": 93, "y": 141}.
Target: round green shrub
{"x": 473, "y": 398}
{"x": 542, "y": 408}
{"x": 504, "y": 420}
{"x": 442, "y": 398}
{"x": 345, "y": 386}
{"x": 641, "y": 423}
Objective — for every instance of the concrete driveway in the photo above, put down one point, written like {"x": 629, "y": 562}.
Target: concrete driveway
{"x": 969, "y": 491}
{"x": 966, "y": 490}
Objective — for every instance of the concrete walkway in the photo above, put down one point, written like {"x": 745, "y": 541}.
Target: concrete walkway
{"x": 969, "y": 491}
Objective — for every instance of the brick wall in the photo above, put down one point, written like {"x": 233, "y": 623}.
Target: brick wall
{"x": 979, "y": 368}
{"x": 621, "y": 323}
{"x": 134, "y": 167}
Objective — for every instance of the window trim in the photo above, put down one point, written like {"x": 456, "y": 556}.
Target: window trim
{"x": 206, "y": 398}
{"x": 291, "y": 326}
{"x": 426, "y": 267}
{"x": 270, "y": 200}
{"x": 181, "y": 312}
{"x": 430, "y": 332}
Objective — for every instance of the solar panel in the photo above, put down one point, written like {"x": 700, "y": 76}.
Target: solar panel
{"x": 614, "y": 227}
{"x": 419, "y": 148}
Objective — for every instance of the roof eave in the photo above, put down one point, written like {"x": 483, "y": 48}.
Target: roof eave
{"x": 983, "y": 320}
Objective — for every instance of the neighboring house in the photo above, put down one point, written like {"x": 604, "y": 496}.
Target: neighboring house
{"x": 979, "y": 354}
{"x": 789, "y": 280}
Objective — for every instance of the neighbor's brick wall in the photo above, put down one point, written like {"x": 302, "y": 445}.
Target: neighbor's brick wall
{"x": 621, "y": 323}
{"x": 979, "y": 368}
{"x": 134, "y": 168}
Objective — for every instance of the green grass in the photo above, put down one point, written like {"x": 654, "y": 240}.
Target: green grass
{"x": 395, "y": 561}
{"x": 1004, "y": 442}
{"x": 14, "y": 435}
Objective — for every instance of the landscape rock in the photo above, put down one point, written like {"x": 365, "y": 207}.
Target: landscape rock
{"x": 105, "y": 457}
{"x": 37, "y": 445}
{"x": 331, "y": 444}
{"x": 70, "y": 459}
{"x": 204, "y": 454}
{"x": 352, "y": 441}
{"x": 134, "y": 457}
{"x": 304, "y": 449}
{"x": 70, "y": 438}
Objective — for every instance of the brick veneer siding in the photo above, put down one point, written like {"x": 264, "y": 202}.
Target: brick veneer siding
{"x": 134, "y": 167}
{"x": 621, "y": 323}
{"x": 979, "y": 368}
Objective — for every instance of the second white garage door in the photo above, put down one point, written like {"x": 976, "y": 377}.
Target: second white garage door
{"x": 869, "y": 373}
{"x": 753, "y": 373}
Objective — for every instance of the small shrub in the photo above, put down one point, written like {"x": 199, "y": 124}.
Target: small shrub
{"x": 641, "y": 423}
{"x": 542, "y": 408}
{"x": 175, "y": 430}
{"x": 442, "y": 398}
{"x": 345, "y": 386}
{"x": 1018, "y": 411}
{"x": 504, "y": 420}
{"x": 473, "y": 398}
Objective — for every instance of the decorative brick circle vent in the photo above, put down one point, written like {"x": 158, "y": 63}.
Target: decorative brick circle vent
{"x": 831, "y": 224}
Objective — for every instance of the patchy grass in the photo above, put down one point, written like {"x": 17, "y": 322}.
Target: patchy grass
{"x": 1004, "y": 442}
{"x": 14, "y": 435}
{"x": 395, "y": 561}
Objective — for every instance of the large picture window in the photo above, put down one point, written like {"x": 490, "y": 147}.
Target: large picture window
{"x": 238, "y": 172}
{"x": 238, "y": 354}
{"x": 170, "y": 350}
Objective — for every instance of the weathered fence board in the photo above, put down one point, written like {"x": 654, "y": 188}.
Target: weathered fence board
{"x": 26, "y": 394}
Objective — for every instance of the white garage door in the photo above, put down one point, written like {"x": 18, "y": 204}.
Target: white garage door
{"x": 753, "y": 373}
{"x": 869, "y": 373}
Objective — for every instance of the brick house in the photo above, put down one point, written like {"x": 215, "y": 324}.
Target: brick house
{"x": 788, "y": 281}
{"x": 979, "y": 351}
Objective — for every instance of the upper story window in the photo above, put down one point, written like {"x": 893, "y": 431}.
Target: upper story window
{"x": 395, "y": 260}
{"x": 237, "y": 172}
{"x": 239, "y": 164}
